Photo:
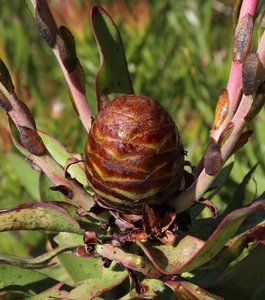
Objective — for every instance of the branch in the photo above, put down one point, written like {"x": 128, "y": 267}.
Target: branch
{"x": 32, "y": 145}
{"x": 233, "y": 109}
{"x": 62, "y": 43}
{"x": 241, "y": 46}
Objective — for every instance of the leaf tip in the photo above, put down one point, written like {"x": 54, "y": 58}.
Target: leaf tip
{"x": 5, "y": 77}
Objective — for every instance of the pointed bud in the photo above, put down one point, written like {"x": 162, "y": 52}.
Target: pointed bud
{"x": 212, "y": 158}
{"x": 252, "y": 74}
{"x": 45, "y": 23}
{"x": 66, "y": 47}
{"x": 31, "y": 141}
{"x": 242, "y": 38}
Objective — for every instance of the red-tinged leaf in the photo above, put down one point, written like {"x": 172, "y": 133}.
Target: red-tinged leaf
{"x": 38, "y": 216}
{"x": 113, "y": 76}
{"x": 191, "y": 252}
{"x": 209, "y": 272}
{"x": 203, "y": 228}
{"x": 187, "y": 290}
{"x": 258, "y": 233}
{"x": 208, "y": 203}
{"x": 171, "y": 258}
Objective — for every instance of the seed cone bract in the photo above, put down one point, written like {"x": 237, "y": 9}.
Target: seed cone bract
{"x": 133, "y": 154}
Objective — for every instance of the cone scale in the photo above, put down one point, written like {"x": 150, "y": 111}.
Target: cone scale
{"x": 133, "y": 154}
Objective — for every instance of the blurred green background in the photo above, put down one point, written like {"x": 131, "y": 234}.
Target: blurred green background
{"x": 178, "y": 52}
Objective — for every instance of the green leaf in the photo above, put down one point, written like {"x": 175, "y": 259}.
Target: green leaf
{"x": 29, "y": 241}
{"x": 170, "y": 259}
{"x": 191, "y": 252}
{"x": 78, "y": 268}
{"x": 206, "y": 274}
{"x": 215, "y": 187}
{"x": 38, "y": 216}
{"x": 95, "y": 286}
{"x": 57, "y": 272}
{"x": 113, "y": 75}
{"x": 82, "y": 268}
{"x": 64, "y": 239}
{"x": 26, "y": 175}
{"x": 240, "y": 193}
{"x": 236, "y": 12}
{"x": 246, "y": 279}
{"x": 60, "y": 154}
{"x": 220, "y": 179}
{"x": 38, "y": 262}
{"x": 15, "y": 276}
{"x": 46, "y": 194}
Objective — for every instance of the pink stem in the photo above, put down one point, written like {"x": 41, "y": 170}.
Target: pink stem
{"x": 75, "y": 86}
{"x": 238, "y": 109}
{"x": 234, "y": 84}
{"x": 78, "y": 96}
{"x": 50, "y": 167}
{"x": 248, "y": 7}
